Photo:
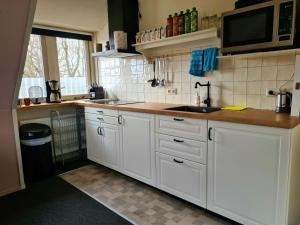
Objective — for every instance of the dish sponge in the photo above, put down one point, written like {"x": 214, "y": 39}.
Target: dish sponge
{"x": 234, "y": 108}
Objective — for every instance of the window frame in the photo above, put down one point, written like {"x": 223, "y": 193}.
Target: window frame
{"x": 51, "y": 64}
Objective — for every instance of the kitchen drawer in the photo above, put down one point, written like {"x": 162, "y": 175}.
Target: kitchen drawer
{"x": 102, "y": 119}
{"x": 99, "y": 111}
{"x": 181, "y": 147}
{"x": 182, "y": 178}
{"x": 195, "y": 129}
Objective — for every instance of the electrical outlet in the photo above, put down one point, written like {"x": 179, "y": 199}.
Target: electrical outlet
{"x": 270, "y": 92}
{"x": 172, "y": 91}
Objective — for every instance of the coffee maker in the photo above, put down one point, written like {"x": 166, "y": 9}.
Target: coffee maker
{"x": 53, "y": 91}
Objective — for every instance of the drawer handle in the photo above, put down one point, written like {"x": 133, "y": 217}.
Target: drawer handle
{"x": 101, "y": 119}
{"x": 178, "y": 141}
{"x": 177, "y": 161}
{"x": 100, "y": 112}
{"x": 179, "y": 120}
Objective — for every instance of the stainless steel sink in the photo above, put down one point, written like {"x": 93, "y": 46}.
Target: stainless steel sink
{"x": 194, "y": 109}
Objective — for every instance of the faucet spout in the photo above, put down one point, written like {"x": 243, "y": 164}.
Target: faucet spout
{"x": 207, "y": 101}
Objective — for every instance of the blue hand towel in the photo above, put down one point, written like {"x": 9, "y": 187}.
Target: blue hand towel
{"x": 210, "y": 59}
{"x": 196, "y": 68}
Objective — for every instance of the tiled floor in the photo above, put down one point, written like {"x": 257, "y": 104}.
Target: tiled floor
{"x": 140, "y": 203}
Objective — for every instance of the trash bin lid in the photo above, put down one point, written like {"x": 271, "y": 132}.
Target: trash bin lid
{"x": 33, "y": 131}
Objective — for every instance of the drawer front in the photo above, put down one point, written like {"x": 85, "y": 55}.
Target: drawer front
{"x": 98, "y": 111}
{"x": 102, "y": 119}
{"x": 182, "y": 178}
{"x": 181, "y": 147}
{"x": 195, "y": 129}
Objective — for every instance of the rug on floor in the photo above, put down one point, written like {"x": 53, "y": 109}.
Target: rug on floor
{"x": 55, "y": 202}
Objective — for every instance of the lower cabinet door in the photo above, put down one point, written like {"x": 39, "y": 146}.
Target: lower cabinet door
{"x": 138, "y": 155}
{"x": 93, "y": 139}
{"x": 110, "y": 146}
{"x": 248, "y": 173}
{"x": 182, "y": 178}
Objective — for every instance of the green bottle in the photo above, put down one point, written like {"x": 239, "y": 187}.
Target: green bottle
{"x": 194, "y": 20}
{"x": 187, "y": 21}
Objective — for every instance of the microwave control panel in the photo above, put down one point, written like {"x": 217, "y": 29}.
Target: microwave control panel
{"x": 286, "y": 20}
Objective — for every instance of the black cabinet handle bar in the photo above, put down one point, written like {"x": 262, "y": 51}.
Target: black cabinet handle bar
{"x": 177, "y": 161}
{"x": 180, "y": 120}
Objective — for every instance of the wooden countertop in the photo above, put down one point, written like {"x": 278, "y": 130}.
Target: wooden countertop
{"x": 249, "y": 116}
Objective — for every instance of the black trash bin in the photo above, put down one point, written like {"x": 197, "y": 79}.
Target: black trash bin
{"x": 36, "y": 151}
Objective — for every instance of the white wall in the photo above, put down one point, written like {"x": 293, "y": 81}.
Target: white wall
{"x": 91, "y": 15}
{"x": 83, "y": 15}
{"x": 155, "y": 12}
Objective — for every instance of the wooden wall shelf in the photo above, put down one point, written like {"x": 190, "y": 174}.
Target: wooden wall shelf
{"x": 196, "y": 40}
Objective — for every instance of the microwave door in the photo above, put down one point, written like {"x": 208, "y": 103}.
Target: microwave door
{"x": 249, "y": 30}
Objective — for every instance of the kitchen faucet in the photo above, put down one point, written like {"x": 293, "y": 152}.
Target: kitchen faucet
{"x": 207, "y": 101}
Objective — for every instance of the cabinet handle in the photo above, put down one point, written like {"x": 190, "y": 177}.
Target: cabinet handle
{"x": 178, "y": 141}
{"x": 179, "y": 120}
{"x": 177, "y": 161}
{"x": 209, "y": 134}
{"x": 120, "y": 119}
{"x": 99, "y": 130}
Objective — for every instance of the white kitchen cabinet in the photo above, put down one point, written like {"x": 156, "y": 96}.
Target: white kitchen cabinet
{"x": 194, "y": 129}
{"x": 138, "y": 157}
{"x": 93, "y": 139}
{"x": 181, "y": 147}
{"x": 109, "y": 147}
{"x": 249, "y": 174}
{"x": 103, "y": 140}
{"x": 182, "y": 178}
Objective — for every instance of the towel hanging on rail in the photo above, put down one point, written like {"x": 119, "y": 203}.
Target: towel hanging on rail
{"x": 196, "y": 68}
{"x": 203, "y": 61}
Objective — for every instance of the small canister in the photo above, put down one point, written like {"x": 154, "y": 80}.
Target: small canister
{"x": 138, "y": 37}
{"x": 163, "y": 33}
{"x": 98, "y": 47}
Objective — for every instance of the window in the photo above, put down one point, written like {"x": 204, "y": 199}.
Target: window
{"x": 72, "y": 63}
{"x": 34, "y": 69}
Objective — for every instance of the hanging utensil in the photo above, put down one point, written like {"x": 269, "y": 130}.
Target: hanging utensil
{"x": 163, "y": 81}
{"x": 154, "y": 82}
{"x": 158, "y": 70}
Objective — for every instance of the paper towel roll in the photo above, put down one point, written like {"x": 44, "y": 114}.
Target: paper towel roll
{"x": 120, "y": 39}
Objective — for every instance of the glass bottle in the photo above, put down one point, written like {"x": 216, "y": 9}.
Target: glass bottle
{"x": 194, "y": 20}
{"x": 187, "y": 21}
{"x": 181, "y": 23}
{"x": 175, "y": 25}
{"x": 169, "y": 27}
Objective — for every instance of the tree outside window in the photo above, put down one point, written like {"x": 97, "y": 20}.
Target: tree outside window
{"x": 34, "y": 69}
{"x": 72, "y": 62}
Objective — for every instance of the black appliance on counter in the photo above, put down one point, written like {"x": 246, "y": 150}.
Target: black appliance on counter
{"x": 261, "y": 27}
{"x": 97, "y": 92}
{"x": 53, "y": 91}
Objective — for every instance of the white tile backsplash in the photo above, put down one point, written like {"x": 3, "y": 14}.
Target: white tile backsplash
{"x": 237, "y": 82}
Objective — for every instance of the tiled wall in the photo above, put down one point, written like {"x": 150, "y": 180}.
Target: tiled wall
{"x": 236, "y": 82}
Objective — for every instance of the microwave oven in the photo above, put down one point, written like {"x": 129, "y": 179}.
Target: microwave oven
{"x": 265, "y": 26}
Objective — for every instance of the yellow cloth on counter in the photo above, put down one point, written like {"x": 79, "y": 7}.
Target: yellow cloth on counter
{"x": 234, "y": 108}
